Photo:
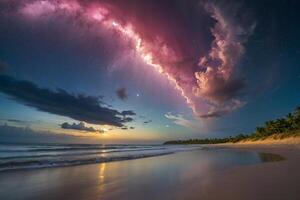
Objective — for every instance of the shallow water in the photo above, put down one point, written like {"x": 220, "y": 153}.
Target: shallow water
{"x": 162, "y": 177}
{"x": 14, "y": 157}
{"x": 270, "y": 157}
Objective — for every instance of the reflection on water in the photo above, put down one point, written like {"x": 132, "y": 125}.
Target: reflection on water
{"x": 163, "y": 177}
{"x": 102, "y": 172}
{"x": 270, "y": 157}
{"x": 32, "y": 156}
{"x": 102, "y": 176}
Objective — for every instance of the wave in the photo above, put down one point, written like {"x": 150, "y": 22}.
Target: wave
{"x": 14, "y": 157}
{"x": 33, "y": 164}
{"x": 76, "y": 154}
{"x": 66, "y": 149}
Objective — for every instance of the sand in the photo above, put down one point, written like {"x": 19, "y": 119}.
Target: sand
{"x": 272, "y": 140}
{"x": 273, "y": 180}
{"x": 186, "y": 175}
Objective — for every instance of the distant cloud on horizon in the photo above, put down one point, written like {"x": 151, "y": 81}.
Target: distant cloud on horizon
{"x": 13, "y": 134}
{"x": 17, "y": 121}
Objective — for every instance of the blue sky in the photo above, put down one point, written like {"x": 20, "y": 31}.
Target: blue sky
{"x": 56, "y": 50}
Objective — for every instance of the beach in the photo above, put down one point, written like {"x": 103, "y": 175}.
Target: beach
{"x": 270, "y": 180}
{"x": 228, "y": 172}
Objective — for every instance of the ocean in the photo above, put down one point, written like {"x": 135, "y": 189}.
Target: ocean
{"x": 30, "y": 156}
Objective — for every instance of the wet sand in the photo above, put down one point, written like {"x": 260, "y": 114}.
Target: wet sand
{"x": 267, "y": 181}
{"x": 201, "y": 175}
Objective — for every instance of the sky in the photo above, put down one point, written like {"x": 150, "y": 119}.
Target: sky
{"x": 132, "y": 71}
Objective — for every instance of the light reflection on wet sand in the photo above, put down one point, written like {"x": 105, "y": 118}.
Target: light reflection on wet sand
{"x": 163, "y": 177}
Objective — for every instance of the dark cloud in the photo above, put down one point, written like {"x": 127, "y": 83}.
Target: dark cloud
{"x": 147, "y": 122}
{"x": 127, "y": 128}
{"x": 127, "y": 119}
{"x": 128, "y": 112}
{"x": 80, "y": 127}
{"x": 122, "y": 94}
{"x": 80, "y": 107}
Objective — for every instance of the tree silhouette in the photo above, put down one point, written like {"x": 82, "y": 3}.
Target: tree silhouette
{"x": 282, "y": 127}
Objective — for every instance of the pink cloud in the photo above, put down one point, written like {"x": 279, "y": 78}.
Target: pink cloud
{"x": 208, "y": 81}
{"x": 38, "y": 8}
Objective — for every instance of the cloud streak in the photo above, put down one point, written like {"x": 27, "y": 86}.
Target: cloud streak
{"x": 182, "y": 121}
{"x": 80, "y": 107}
{"x": 17, "y": 121}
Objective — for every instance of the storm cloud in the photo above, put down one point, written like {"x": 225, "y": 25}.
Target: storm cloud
{"x": 79, "y": 107}
{"x": 122, "y": 94}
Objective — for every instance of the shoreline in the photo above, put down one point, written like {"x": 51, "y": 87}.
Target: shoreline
{"x": 275, "y": 139}
{"x": 160, "y": 178}
{"x": 83, "y": 163}
{"x": 283, "y": 148}
{"x": 270, "y": 180}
